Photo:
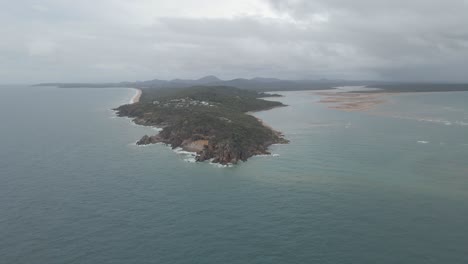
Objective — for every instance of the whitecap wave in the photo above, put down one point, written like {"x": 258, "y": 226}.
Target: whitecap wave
{"x": 267, "y": 155}
{"x": 461, "y": 123}
{"x": 190, "y": 159}
{"x": 423, "y": 142}
{"x": 181, "y": 151}
{"x": 444, "y": 122}
{"x": 433, "y": 120}
{"x": 187, "y": 156}
{"x": 218, "y": 165}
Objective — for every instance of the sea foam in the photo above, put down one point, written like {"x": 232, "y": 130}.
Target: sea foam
{"x": 186, "y": 155}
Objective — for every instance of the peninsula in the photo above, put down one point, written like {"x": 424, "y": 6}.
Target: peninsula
{"x": 211, "y": 121}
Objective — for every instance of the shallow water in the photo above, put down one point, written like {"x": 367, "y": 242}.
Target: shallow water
{"x": 357, "y": 187}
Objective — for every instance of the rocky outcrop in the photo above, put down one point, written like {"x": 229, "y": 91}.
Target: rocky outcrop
{"x": 225, "y": 152}
{"x": 146, "y": 140}
{"x": 195, "y": 145}
{"x": 229, "y": 153}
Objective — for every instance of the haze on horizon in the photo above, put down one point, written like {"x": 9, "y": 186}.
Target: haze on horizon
{"x": 119, "y": 40}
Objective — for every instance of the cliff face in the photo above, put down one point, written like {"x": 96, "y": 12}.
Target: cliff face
{"x": 213, "y": 124}
{"x": 225, "y": 152}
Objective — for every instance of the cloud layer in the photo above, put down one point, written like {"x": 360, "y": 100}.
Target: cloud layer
{"x": 114, "y": 40}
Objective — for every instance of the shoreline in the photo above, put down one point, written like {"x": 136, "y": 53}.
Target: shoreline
{"x": 279, "y": 133}
{"x": 136, "y": 98}
{"x": 200, "y": 148}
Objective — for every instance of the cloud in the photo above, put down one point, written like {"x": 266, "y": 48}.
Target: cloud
{"x": 39, "y": 8}
{"x": 41, "y": 47}
{"x": 114, "y": 40}
{"x": 420, "y": 37}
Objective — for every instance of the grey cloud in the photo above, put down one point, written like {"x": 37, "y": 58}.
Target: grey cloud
{"x": 404, "y": 36}
{"x": 55, "y": 40}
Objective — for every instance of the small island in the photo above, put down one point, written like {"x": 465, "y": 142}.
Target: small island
{"x": 212, "y": 121}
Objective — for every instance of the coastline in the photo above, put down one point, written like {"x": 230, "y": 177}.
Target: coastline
{"x": 136, "y": 97}
{"x": 201, "y": 148}
{"x": 252, "y": 113}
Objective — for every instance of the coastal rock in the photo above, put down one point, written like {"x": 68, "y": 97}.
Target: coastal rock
{"x": 146, "y": 140}
{"x": 194, "y": 145}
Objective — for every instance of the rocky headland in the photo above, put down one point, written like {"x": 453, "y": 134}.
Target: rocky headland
{"x": 211, "y": 121}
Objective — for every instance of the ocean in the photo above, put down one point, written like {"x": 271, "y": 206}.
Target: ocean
{"x": 388, "y": 185}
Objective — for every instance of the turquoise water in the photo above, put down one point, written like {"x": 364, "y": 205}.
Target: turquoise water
{"x": 387, "y": 186}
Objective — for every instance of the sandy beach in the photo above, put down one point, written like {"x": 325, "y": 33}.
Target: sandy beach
{"x": 136, "y": 97}
{"x": 352, "y": 101}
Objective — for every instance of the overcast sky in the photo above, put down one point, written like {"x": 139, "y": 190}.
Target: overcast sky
{"x": 116, "y": 40}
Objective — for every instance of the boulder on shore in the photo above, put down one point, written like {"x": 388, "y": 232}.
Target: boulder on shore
{"x": 146, "y": 140}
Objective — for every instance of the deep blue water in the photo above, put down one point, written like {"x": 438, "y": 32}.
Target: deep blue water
{"x": 385, "y": 186}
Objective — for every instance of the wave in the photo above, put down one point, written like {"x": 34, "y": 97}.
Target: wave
{"x": 218, "y": 165}
{"x": 181, "y": 151}
{"x": 461, "y": 123}
{"x": 423, "y": 142}
{"x": 187, "y": 156}
{"x": 190, "y": 159}
{"x": 437, "y": 121}
{"x": 443, "y": 121}
{"x": 427, "y": 120}
{"x": 267, "y": 155}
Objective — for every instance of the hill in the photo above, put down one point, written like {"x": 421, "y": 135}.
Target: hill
{"x": 255, "y": 84}
{"x": 272, "y": 84}
{"x": 210, "y": 121}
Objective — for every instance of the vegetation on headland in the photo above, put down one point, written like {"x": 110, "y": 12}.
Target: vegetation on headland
{"x": 211, "y": 121}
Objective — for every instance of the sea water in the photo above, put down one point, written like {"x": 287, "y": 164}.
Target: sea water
{"x": 388, "y": 185}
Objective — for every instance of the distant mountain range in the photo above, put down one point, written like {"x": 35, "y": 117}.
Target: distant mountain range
{"x": 271, "y": 84}
{"x": 258, "y": 83}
